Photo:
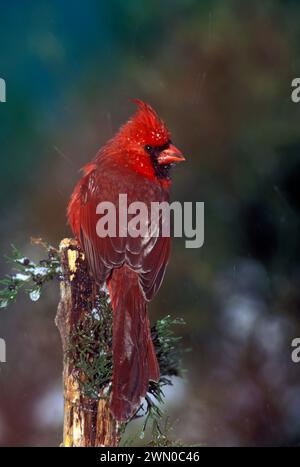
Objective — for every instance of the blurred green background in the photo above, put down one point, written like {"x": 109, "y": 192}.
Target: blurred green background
{"x": 219, "y": 73}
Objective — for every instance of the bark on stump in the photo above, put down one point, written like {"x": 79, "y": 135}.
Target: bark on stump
{"x": 87, "y": 422}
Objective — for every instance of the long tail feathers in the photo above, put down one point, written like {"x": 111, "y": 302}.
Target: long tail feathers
{"x": 134, "y": 358}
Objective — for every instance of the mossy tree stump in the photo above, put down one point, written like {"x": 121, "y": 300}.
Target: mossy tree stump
{"x": 87, "y": 420}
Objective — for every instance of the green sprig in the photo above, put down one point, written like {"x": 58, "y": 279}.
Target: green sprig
{"x": 90, "y": 348}
{"x": 28, "y": 275}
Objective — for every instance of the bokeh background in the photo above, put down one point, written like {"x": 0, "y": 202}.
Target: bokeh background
{"x": 219, "y": 73}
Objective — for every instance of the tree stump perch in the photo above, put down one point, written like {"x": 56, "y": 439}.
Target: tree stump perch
{"x": 87, "y": 421}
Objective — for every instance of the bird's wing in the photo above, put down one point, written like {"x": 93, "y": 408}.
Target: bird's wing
{"x": 148, "y": 256}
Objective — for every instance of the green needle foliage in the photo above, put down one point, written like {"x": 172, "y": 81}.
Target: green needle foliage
{"x": 169, "y": 355}
{"x": 90, "y": 349}
{"x": 28, "y": 275}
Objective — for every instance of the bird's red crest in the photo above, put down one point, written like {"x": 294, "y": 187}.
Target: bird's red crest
{"x": 146, "y": 127}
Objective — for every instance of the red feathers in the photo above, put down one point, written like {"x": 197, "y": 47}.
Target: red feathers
{"x": 146, "y": 127}
{"x": 132, "y": 267}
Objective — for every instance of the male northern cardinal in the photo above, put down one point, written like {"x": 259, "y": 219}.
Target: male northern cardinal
{"x": 136, "y": 162}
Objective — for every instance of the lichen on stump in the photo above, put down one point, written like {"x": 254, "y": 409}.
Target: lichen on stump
{"x": 84, "y": 321}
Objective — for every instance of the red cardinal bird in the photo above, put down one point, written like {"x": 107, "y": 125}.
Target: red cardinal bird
{"x": 136, "y": 162}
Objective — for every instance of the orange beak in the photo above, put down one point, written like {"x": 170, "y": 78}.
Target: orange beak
{"x": 170, "y": 156}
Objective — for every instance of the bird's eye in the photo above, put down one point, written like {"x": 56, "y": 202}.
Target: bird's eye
{"x": 148, "y": 148}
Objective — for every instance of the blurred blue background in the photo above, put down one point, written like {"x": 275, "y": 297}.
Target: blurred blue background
{"x": 219, "y": 73}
